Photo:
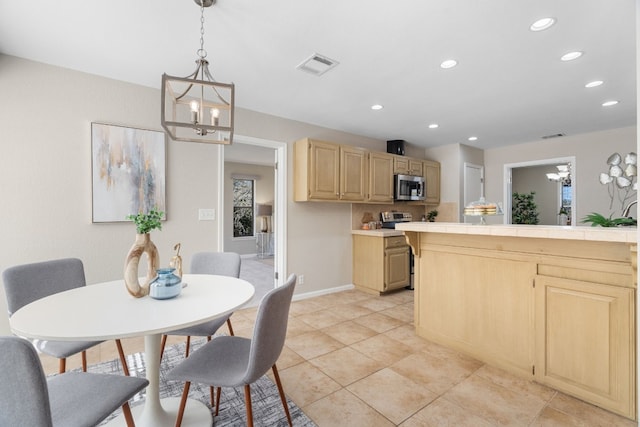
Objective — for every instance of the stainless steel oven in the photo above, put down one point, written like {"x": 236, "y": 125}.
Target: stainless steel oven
{"x": 408, "y": 187}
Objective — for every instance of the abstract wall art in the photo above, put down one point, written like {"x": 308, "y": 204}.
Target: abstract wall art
{"x": 128, "y": 171}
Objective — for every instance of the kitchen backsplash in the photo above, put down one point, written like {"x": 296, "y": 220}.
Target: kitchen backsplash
{"x": 447, "y": 212}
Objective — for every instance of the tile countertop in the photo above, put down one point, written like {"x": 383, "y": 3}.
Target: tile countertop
{"x": 602, "y": 234}
{"x": 380, "y": 232}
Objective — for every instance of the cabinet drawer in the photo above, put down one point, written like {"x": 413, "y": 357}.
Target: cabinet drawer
{"x": 395, "y": 242}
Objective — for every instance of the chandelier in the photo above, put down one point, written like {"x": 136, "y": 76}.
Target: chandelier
{"x": 196, "y": 108}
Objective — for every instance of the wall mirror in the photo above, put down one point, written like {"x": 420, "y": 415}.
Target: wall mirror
{"x": 554, "y": 184}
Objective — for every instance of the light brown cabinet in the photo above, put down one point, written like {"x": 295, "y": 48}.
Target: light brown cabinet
{"x": 584, "y": 336}
{"x": 328, "y": 172}
{"x": 325, "y": 171}
{"x": 407, "y": 166}
{"x": 432, "y": 178}
{"x": 561, "y": 312}
{"x": 380, "y": 189}
{"x": 380, "y": 264}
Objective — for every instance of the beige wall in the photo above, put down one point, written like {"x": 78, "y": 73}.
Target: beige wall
{"x": 45, "y": 121}
{"x": 591, "y": 151}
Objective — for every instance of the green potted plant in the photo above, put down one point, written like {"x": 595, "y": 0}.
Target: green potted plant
{"x": 597, "y": 219}
{"x": 564, "y": 215}
{"x": 145, "y": 223}
{"x": 431, "y": 215}
{"x": 524, "y": 209}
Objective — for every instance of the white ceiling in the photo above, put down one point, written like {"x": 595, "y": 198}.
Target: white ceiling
{"x": 509, "y": 86}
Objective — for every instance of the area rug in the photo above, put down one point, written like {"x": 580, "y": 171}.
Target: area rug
{"x": 267, "y": 407}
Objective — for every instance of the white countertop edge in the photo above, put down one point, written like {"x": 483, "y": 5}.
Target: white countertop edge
{"x": 380, "y": 232}
{"x": 602, "y": 234}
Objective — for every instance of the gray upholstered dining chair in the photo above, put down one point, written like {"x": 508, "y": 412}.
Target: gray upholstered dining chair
{"x": 230, "y": 361}
{"x": 70, "y": 399}
{"x": 221, "y": 263}
{"x": 26, "y": 283}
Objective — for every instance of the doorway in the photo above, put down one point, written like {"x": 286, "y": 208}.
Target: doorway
{"x": 529, "y": 176}
{"x": 265, "y": 152}
{"x": 473, "y": 187}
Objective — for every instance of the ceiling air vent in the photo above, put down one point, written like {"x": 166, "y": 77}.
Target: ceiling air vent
{"x": 317, "y": 64}
{"x": 555, "y": 135}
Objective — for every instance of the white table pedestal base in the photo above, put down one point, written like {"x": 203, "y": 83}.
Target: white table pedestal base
{"x": 156, "y": 412}
{"x": 196, "y": 414}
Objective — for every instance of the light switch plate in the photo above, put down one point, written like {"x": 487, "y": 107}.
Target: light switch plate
{"x": 206, "y": 214}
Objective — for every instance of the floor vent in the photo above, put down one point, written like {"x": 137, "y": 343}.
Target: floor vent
{"x": 317, "y": 64}
{"x": 555, "y": 135}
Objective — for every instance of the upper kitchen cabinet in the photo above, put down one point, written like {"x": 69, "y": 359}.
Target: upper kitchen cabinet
{"x": 325, "y": 171}
{"x": 407, "y": 166}
{"x": 380, "y": 178}
{"x": 432, "y": 178}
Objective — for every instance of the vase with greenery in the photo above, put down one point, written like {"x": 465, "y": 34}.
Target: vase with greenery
{"x": 524, "y": 209}
{"x": 431, "y": 215}
{"x": 145, "y": 223}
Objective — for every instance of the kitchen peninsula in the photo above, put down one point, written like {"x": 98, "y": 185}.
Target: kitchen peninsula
{"x": 549, "y": 303}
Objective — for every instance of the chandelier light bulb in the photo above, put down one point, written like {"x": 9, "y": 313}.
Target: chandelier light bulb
{"x": 194, "y": 111}
{"x": 215, "y": 113}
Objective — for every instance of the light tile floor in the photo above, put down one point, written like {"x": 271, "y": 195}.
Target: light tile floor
{"x": 353, "y": 359}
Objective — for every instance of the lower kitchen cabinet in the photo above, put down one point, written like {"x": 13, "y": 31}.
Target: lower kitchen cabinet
{"x": 380, "y": 264}
{"x": 584, "y": 336}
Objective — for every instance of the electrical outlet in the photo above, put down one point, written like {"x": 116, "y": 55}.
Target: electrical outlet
{"x": 301, "y": 279}
{"x": 206, "y": 214}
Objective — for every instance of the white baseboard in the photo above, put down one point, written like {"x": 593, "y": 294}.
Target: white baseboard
{"x": 298, "y": 297}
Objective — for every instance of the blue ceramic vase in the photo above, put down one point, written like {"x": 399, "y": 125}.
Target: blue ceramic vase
{"x": 166, "y": 284}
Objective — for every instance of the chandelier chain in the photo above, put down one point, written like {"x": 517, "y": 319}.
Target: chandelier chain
{"x": 201, "y": 52}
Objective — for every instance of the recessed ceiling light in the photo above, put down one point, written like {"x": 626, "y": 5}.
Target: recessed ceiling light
{"x": 594, "y": 83}
{"x": 449, "y": 63}
{"x": 571, "y": 56}
{"x": 542, "y": 24}
{"x": 473, "y": 138}
{"x": 433, "y": 126}
{"x": 609, "y": 103}
{"x": 377, "y": 107}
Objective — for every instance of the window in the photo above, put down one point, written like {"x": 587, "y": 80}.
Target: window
{"x": 243, "y": 195}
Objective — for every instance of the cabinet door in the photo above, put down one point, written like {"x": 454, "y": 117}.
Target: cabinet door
{"x": 482, "y": 306}
{"x": 400, "y": 165}
{"x": 584, "y": 336}
{"x": 380, "y": 178}
{"x": 324, "y": 170}
{"x": 352, "y": 173}
{"x": 432, "y": 177}
{"x": 415, "y": 167}
{"x": 396, "y": 271}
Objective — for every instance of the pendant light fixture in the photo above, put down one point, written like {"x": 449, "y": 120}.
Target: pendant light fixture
{"x": 196, "y": 108}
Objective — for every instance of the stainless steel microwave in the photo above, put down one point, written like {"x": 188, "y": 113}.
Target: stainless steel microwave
{"x": 407, "y": 187}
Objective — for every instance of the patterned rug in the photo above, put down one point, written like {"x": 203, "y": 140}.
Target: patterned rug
{"x": 267, "y": 407}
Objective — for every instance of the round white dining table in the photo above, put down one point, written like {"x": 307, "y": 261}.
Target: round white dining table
{"x": 106, "y": 311}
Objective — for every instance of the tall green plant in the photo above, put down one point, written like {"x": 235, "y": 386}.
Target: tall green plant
{"x": 524, "y": 209}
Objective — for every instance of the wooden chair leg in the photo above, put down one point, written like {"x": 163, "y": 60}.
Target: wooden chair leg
{"x": 164, "y": 341}
{"x": 247, "y": 402}
{"x": 282, "y": 396}
{"x": 186, "y": 353}
{"x": 217, "y": 400}
{"x": 123, "y": 360}
{"x": 62, "y": 366}
{"x": 211, "y": 393}
{"x": 126, "y": 411}
{"x": 209, "y": 338}
{"x": 230, "y": 327}
{"x": 183, "y": 403}
{"x": 84, "y": 361}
